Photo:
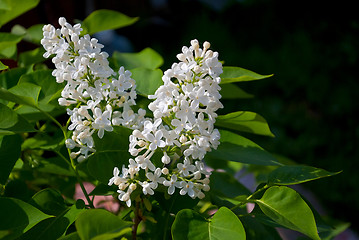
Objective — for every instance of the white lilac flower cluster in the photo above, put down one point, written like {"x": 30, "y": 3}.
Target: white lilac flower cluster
{"x": 182, "y": 129}
{"x": 98, "y": 98}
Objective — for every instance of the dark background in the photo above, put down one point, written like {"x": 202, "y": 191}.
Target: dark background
{"x": 312, "y": 50}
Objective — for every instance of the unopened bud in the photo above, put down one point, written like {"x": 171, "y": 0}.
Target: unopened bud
{"x": 62, "y": 21}
{"x": 183, "y": 139}
{"x": 164, "y": 171}
{"x": 133, "y": 186}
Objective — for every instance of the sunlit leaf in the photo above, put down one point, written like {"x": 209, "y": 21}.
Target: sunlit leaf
{"x": 53, "y": 228}
{"x": 8, "y": 43}
{"x": 34, "y": 33}
{"x": 147, "y": 80}
{"x": 237, "y": 74}
{"x": 244, "y": 121}
{"x": 295, "y": 174}
{"x": 5, "y": 5}
{"x": 147, "y": 58}
{"x": 15, "y": 8}
{"x": 8, "y": 117}
{"x": 2, "y": 66}
{"x": 286, "y": 207}
{"x": 11, "y": 122}
{"x": 31, "y": 57}
{"x": 100, "y": 224}
{"x": 236, "y": 148}
{"x": 15, "y": 95}
{"x": 191, "y": 225}
{"x": 105, "y": 19}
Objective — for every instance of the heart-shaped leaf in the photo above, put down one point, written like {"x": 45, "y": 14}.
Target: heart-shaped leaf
{"x": 285, "y": 206}
{"x": 191, "y": 225}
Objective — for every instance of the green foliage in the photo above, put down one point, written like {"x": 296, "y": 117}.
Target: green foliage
{"x": 147, "y": 58}
{"x": 17, "y": 217}
{"x": 144, "y": 67}
{"x": 99, "y": 224}
{"x": 148, "y": 80}
{"x": 35, "y": 165}
{"x": 237, "y": 148}
{"x": 246, "y": 122}
{"x": 191, "y": 225}
{"x": 10, "y": 150}
{"x": 2, "y": 66}
{"x": 286, "y": 207}
{"x": 289, "y": 175}
{"x": 104, "y": 19}
{"x": 12, "y": 9}
{"x": 237, "y": 74}
{"x": 8, "y": 44}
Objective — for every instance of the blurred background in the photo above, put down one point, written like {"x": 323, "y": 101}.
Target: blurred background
{"x": 311, "y": 48}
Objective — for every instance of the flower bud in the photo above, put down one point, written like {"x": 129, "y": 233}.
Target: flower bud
{"x": 164, "y": 171}
{"x": 62, "y": 21}
{"x": 133, "y": 186}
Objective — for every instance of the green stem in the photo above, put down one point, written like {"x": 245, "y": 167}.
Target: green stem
{"x": 248, "y": 199}
{"x": 78, "y": 179}
{"x": 73, "y": 165}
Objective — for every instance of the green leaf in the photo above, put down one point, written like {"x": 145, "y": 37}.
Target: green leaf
{"x": 246, "y": 122}
{"x": 2, "y": 66}
{"x": 17, "y": 217}
{"x": 21, "y": 94}
{"x": 191, "y": 225}
{"x": 226, "y": 225}
{"x": 225, "y": 185}
{"x": 71, "y": 236}
{"x": 27, "y": 90}
{"x": 105, "y": 19}
{"x": 44, "y": 141}
{"x": 53, "y": 228}
{"x": 175, "y": 202}
{"x": 286, "y": 207}
{"x": 147, "y": 80}
{"x": 111, "y": 151}
{"x": 255, "y": 230}
{"x": 5, "y": 5}
{"x": 15, "y": 8}
{"x": 236, "y": 148}
{"x": 8, "y": 117}
{"x": 11, "y": 122}
{"x": 237, "y": 74}
{"x": 55, "y": 165}
{"x": 34, "y": 33}
{"x": 43, "y": 78}
{"x": 100, "y": 224}
{"x": 232, "y": 91}
{"x": 11, "y": 77}
{"x": 294, "y": 174}
{"x": 10, "y": 150}
{"x": 49, "y": 201}
{"x": 8, "y": 44}
{"x": 147, "y": 58}
{"x": 31, "y": 57}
